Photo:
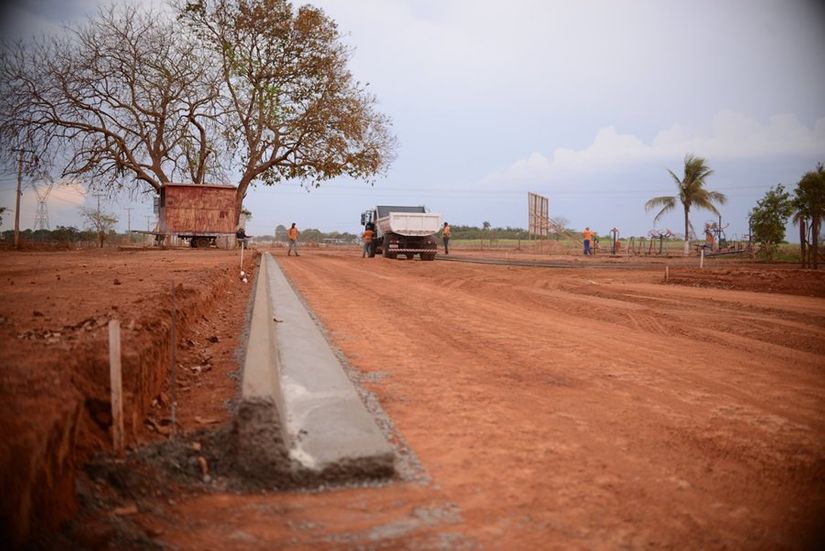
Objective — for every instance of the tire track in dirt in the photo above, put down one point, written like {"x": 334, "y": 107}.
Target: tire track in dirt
{"x": 541, "y": 404}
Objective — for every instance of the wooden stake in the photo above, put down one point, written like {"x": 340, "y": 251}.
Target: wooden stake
{"x": 667, "y": 273}
{"x": 116, "y": 381}
{"x": 173, "y": 345}
{"x": 241, "y": 255}
{"x": 701, "y": 258}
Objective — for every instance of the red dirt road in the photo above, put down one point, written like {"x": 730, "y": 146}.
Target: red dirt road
{"x": 557, "y": 409}
{"x": 547, "y": 408}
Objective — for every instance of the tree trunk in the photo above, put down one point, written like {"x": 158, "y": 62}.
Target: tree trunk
{"x": 815, "y": 243}
{"x": 803, "y": 236}
{"x": 687, "y": 232}
{"x": 240, "y": 194}
{"x": 238, "y": 207}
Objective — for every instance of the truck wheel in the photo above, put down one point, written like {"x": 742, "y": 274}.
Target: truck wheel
{"x": 410, "y": 256}
{"x": 427, "y": 256}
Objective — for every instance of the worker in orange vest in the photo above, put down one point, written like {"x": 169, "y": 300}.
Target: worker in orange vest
{"x": 293, "y": 240}
{"x": 587, "y": 235}
{"x": 367, "y": 236}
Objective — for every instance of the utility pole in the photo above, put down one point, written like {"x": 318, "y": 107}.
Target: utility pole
{"x": 129, "y": 223}
{"x": 98, "y": 221}
{"x": 17, "y": 205}
{"x": 19, "y": 195}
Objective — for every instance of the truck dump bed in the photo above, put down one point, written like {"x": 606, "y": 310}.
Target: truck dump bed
{"x": 409, "y": 221}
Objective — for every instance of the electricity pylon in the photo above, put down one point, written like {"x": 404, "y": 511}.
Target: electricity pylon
{"x": 41, "y": 219}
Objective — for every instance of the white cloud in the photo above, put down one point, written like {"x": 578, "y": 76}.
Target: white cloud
{"x": 730, "y": 135}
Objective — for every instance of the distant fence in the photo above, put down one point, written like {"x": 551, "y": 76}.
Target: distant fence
{"x": 633, "y": 246}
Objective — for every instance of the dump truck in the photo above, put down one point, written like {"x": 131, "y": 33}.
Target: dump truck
{"x": 199, "y": 214}
{"x": 402, "y": 231}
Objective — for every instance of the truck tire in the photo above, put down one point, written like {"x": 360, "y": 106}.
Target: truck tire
{"x": 427, "y": 256}
{"x": 410, "y": 256}
{"x": 386, "y": 248}
{"x": 201, "y": 242}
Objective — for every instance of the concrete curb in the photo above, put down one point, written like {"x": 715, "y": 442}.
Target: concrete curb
{"x": 326, "y": 428}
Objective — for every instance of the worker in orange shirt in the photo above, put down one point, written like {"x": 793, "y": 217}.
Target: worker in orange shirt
{"x": 293, "y": 240}
{"x": 445, "y": 234}
{"x": 587, "y": 235}
{"x": 367, "y": 236}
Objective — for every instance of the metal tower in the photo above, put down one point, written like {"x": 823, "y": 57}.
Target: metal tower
{"x": 41, "y": 219}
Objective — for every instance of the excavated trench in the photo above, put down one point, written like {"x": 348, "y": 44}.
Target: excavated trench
{"x": 257, "y": 450}
{"x": 60, "y": 413}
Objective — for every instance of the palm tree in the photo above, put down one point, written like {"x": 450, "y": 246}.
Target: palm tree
{"x": 810, "y": 206}
{"x": 691, "y": 192}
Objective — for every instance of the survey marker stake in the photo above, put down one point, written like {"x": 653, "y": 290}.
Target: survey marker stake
{"x": 116, "y": 381}
{"x": 173, "y": 375}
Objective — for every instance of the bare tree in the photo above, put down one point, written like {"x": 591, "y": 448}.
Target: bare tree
{"x": 99, "y": 221}
{"x": 558, "y": 224}
{"x": 294, "y": 107}
{"x": 124, "y": 99}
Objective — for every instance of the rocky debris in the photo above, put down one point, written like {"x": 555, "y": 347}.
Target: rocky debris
{"x": 130, "y": 509}
{"x": 203, "y": 464}
{"x": 47, "y": 335}
{"x": 262, "y": 458}
{"x": 198, "y": 369}
{"x": 90, "y": 324}
{"x": 158, "y": 427}
{"x": 66, "y": 332}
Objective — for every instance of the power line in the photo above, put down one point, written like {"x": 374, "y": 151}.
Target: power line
{"x": 334, "y": 189}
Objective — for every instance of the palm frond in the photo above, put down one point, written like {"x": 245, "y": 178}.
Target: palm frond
{"x": 717, "y": 197}
{"x": 675, "y": 178}
{"x": 667, "y": 202}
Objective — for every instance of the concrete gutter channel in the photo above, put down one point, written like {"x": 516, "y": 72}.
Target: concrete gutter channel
{"x": 300, "y": 417}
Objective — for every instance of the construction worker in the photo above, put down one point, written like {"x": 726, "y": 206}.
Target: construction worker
{"x": 445, "y": 235}
{"x": 710, "y": 239}
{"x": 293, "y": 240}
{"x": 241, "y": 236}
{"x": 367, "y": 236}
{"x": 587, "y": 235}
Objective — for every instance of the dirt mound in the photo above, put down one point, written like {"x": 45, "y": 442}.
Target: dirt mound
{"x": 789, "y": 281}
{"x": 53, "y": 332}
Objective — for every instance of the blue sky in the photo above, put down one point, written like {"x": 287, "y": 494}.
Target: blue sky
{"x": 586, "y": 102}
